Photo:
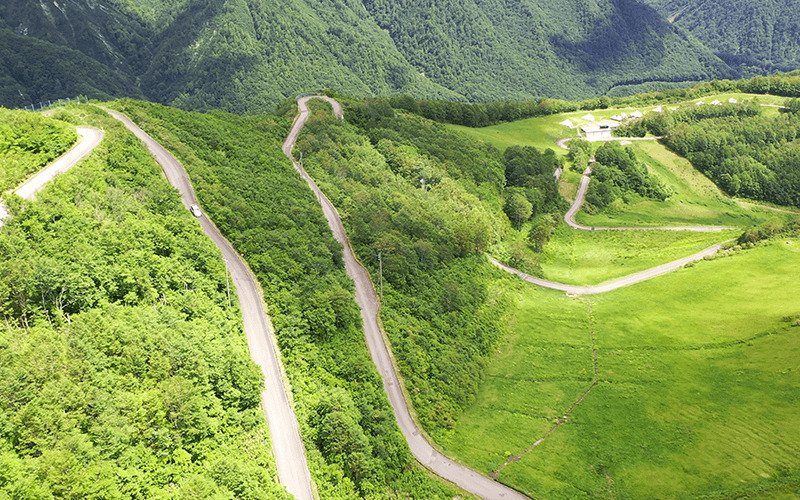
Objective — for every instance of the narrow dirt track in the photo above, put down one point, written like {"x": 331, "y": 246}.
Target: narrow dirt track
{"x": 367, "y": 299}
{"x": 89, "y": 139}
{"x": 287, "y": 446}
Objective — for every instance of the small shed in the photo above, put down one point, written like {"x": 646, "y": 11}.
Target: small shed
{"x": 733, "y": 101}
{"x": 699, "y": 103}
{"x": 588, "y": 118}
{"x": 636, "y": 114}
{"x": 596, "y": 132}
{"x": 658, "y": 109}
{"x": 716, "y": 102}
{"x": 567, "y": 123}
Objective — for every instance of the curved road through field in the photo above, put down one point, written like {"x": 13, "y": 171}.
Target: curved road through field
{"x": 422, "y": 450}
{"x": 89, "y": 139}
{"x": 647, "y": 274}
{"x": 287, "y": 445}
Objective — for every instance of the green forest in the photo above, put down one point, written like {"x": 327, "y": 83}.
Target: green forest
{"x": 123, "y": 372}
{"x": 429, "y": 202}
{"x": 752, "y": 37}
{"x": 246, "y": 56}
{"x": 491, "y": 113}
{"x": 617, "y": 173}
{"x": 745, "y": 151}
{"x": 28, "y": 142}
{"x": 266, "y": 210}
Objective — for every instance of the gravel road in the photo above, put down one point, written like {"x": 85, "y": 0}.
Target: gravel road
{"x": 287, "y": 445}
{"x": 422, "y": 450}
{"x": 611, "y": 285}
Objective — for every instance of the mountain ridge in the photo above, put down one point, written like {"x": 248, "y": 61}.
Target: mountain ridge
{"x": 247, "y": 56}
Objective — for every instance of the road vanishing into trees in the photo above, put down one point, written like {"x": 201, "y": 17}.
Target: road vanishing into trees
{"x": 287, "y": 445}
{"x": 367, "y": 299}
{"x": 89, "y": 139}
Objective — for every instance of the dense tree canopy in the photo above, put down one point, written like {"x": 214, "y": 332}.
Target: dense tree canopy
{"x": 744, "y": 151}
{"x": 248, "y": 55}
{"x": 28, "y": 142}
{"x": 752, "y": 37}
{"x": 123, "y": 372}
{"x": 254, "y": 195}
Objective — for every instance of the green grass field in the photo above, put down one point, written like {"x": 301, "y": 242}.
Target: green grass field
{"x": 542, "y": 132}
{"x": 592, "y": 257}
{"x": 697, "y": 393}
{"x": 695, "y": 199}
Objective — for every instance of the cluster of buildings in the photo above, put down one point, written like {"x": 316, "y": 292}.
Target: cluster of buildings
{"x": 600, "y": 130}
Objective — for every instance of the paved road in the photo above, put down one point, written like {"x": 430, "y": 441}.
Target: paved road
{"x": 286, "y": 442}
{"x": 422, "y": 450}
{"x": 89, "y": 139}
{"x": 569, "y": 217}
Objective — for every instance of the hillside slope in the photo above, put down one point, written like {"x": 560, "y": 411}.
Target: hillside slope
{"x": 249, "y": 55}
{"x": 569, "y": 49}
{"x": 241, "y": 55}
{"x": 753, "y": 37}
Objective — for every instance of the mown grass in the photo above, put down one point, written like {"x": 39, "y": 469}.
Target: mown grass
{"x": 540, "y": 132}
{"x": 697, "y": 393}
{"x": 592, "y": 257}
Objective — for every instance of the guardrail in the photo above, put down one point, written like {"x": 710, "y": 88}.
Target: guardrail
{"x": 49, "y": 104}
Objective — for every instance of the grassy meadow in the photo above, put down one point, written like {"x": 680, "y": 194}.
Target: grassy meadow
{"x": 543, "y": 131}
{"x": 698, "y": 385}
{"x": 592, "y": 257}
{"x": 579, "y": 257}
{"x": 695, "y": 200}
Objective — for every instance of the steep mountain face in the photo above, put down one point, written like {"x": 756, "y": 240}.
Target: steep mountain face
{"x": 248, "y": 55}
{"x": 241, "y": 55}
{"x": 753, "y": 37}
{"x": 490, "y": 49}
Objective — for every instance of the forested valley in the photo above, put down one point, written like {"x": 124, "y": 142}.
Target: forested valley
{"x": 752, "y": 37}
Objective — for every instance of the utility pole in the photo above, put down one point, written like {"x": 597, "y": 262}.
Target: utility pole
{"x": 227, "y": 281}
{"x": 380, "y": 266}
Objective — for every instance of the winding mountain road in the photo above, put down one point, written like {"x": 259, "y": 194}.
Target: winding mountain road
{"x": 647, "y": 274}
{"x": 89, "y": 139}
{"x": 367, "y": 299}
{"x": 287, "y": 445}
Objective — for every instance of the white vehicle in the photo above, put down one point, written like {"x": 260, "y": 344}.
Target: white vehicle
{"x": 195, "y": 210}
